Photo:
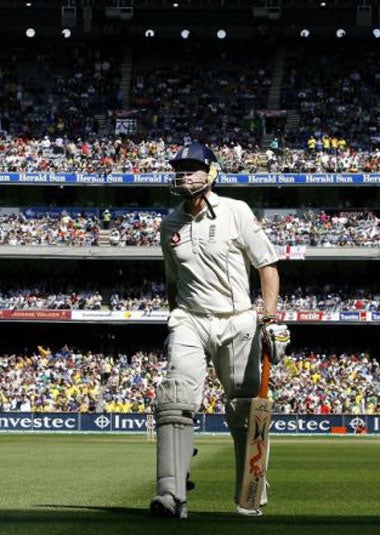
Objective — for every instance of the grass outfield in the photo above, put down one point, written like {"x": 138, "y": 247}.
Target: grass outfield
{"x": 102, "y": 484}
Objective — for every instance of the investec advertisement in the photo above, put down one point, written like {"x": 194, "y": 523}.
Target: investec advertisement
{"x": 206, "y": 423}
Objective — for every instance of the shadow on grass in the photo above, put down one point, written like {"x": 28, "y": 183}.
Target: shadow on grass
{"x": 85, "y": 520}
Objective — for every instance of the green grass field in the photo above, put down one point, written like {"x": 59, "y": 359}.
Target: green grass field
{"x": 102, "y": 484}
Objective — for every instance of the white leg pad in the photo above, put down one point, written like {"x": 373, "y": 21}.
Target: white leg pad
{"x": 237, "y": 413}
{"x": 175, "y": 431}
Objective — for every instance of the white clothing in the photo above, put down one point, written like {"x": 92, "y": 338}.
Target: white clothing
{"x": 207, "y": 265}
{"x": 209, "y": 259}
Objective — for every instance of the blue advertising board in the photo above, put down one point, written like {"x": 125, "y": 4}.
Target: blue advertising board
{"x": 161, "y": 179}
{"x": 282, "y": 424}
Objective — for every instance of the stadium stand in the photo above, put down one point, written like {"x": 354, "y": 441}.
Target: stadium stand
{"x": 151, "y": 296}
{"x": 74, "y": 108}
{"x": 334, "y": 95}
{"x": 60, "y": 90}
{"x": 69, "y": 380}
{"x": 141, "y": 228}
{"x": 221, "y": 90}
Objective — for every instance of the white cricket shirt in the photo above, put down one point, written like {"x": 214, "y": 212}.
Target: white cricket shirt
{"x": 209, "y": 259}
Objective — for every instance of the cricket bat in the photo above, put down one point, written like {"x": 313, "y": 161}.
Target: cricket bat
{"x": 257, "y": 443}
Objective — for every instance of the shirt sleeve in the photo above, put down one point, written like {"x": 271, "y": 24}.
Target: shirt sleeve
{"x": 254, "y": 241}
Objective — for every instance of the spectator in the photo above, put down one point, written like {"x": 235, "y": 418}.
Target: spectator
{"x": 106, "y": 217}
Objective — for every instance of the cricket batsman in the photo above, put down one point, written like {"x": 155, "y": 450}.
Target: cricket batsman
{"x": 209, "y": 244}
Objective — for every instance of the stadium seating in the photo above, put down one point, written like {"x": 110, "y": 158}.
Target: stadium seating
{"x": 72, "y": 381}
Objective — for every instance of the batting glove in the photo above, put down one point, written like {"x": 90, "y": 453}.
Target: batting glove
{"x": 275, "y": 338}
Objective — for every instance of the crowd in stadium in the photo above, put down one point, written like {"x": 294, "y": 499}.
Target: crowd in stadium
{"x": 140, "y": 229}
{"x": 212, "y": 99}
{"x": 347, "y": 229}
{"x": 316, "y": 158}
{"x": 120, "y": 154}
{"x": 355, "y": 229}
{"x": 51, "y": 102}
{"x": 151, "y": 297}
{"x": 68, "y": 380}
{"x": 56, "y": 90}
{"x": 50, "y": 123}
{"x": 17, "y": 230}
{"x": 334, "y": 92}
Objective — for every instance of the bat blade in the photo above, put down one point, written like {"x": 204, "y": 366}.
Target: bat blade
{"x": 256, "y": 453}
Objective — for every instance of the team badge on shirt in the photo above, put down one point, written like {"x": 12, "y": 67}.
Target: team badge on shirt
{"x": 212, "y": 233}
{"x": 175, "y": 239}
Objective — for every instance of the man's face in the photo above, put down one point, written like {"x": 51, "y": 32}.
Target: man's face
{"x": 190, "y": 178}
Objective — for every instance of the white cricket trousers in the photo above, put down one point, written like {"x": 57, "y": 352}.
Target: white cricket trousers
{"x": 231, "y": 342}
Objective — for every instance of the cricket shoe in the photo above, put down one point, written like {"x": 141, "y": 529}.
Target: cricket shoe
{"x": 166, "y": 506}
{"x": 264, "y": 494}
{"x": 248, "y": 512}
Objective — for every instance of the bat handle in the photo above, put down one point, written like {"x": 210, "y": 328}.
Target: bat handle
{"x": 265, "y": 375}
